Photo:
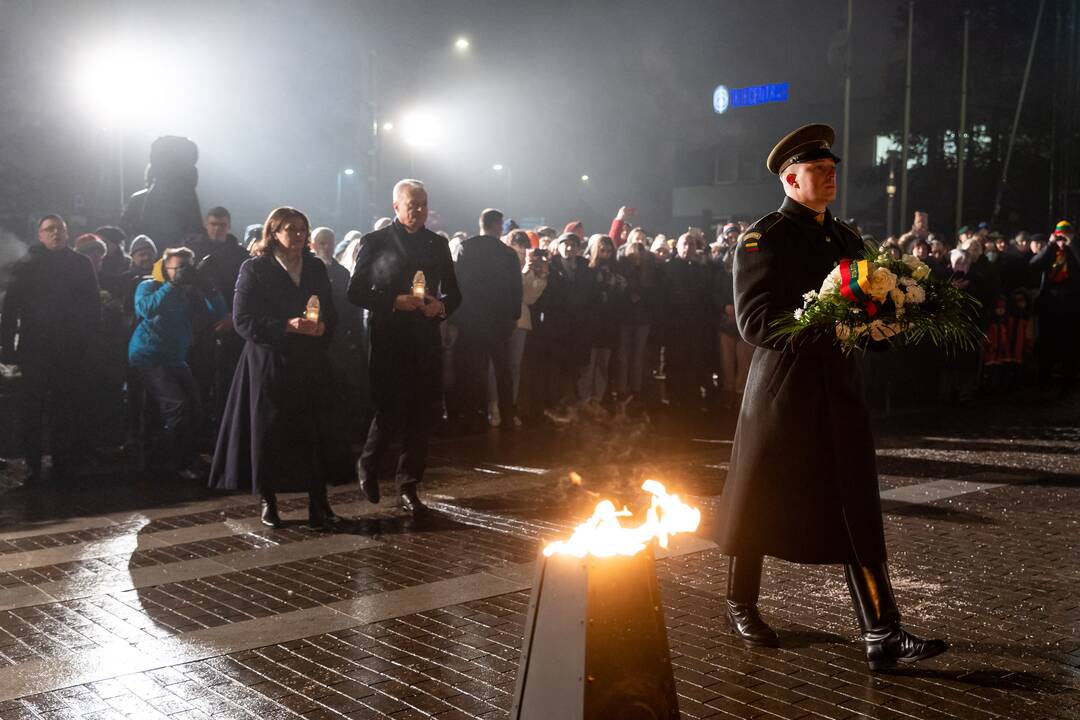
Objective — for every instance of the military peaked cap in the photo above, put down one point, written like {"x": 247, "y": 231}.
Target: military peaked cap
{"x": 810, "y": 142}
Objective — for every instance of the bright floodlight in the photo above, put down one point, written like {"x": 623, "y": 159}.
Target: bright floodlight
{"x": 584, "y": 178}
{"x": 348, "y": 171}
{"x": 121, "y": 83}
{"x": 421, "y": 129}
{"x": 387, "y": 126}
{"x": 497, "y": 167}
{"x": 462, "y": 44}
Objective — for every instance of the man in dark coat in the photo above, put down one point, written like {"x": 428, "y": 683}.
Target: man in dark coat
{"x": 406, "y": 350}
{"x": 802, "y": 483}
{"x": 218, "y": 346}
{"x": 686, "y": 306}
{"x": 53, "y": 306}
{"x": 489, "y": 274}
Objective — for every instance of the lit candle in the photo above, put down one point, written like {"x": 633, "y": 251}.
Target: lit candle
{"x": 419, "y": 284}
{"x": 312, "y": 308}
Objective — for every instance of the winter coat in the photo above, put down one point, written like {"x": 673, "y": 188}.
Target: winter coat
{"x": 52, "y": 304}
{"x": 561, "y": 332}
{"x": 802, "y": 483}
{"x": 279, "y": 431}
{"x": 165, "y": 312}
{"x": 489, "y": 274}
{"x": 406, "y": 348}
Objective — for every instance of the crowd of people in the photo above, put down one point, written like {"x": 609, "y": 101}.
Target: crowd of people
{"x": 130, "y": 343}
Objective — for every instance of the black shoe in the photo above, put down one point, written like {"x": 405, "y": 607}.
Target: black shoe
{"x": 369, "y": 484}
{"x": 888, "y": 647}
{"x": 411, "y": 501}
{"x": 270, "y": 517}
{"x": 748, "y": 626}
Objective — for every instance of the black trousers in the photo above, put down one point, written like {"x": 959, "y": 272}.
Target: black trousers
{"x": 410, "y": 420}
{"x": 476, "y": 348}
{"x": 50, "y": 388}
{"x": 176, "y": 395}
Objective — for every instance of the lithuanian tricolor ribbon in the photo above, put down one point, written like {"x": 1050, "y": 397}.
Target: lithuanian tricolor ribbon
{"x": 855, "y": 284}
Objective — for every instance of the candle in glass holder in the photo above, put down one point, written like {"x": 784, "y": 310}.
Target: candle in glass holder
{"x": 419, "y": 285}
{"x": 312, "y": 312}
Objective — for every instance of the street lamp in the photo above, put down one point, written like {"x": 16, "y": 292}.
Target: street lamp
{"x": 585, "y": 178}
{"x": 461, "y": 44}
{"x": 420, "y": 129}
{"x": 387, "y": 126}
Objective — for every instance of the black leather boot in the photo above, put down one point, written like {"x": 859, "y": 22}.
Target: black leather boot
{"x": 411, "y": 501}
{"x": 369, "y": 483}
{"x": 270, "y": 517}
{"x": 887, "y": 643}
{"x": 320, "y": 514}
{"x": 744, "y": 581}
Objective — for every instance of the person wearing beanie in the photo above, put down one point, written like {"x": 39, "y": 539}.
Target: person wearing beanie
{"x": 574, "y": 227}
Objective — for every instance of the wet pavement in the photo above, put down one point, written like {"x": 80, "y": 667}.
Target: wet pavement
{"x": 125, "y": 598}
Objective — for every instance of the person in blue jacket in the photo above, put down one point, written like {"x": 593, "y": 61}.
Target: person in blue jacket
{"x": 166, "y": 308}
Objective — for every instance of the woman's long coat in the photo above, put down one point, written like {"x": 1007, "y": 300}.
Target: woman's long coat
{"x": 802, "y": 484}
{"x": 281, "y": 430}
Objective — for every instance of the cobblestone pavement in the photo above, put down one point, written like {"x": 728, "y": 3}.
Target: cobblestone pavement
{"x": 137, "y": 601}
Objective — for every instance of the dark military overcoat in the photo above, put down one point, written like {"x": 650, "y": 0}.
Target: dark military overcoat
{"x": 802, "y": 484}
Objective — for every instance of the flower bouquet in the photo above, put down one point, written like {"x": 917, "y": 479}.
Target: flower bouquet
{"x": 881, "y": 298}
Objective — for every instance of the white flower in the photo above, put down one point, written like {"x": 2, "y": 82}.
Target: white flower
{"x": 899, "y": 312}
{"x": 843, "y": 332}
{"x": 915, "y": 294}
{"x": 911, "y": 261}
{"x": 921, "y": 272}
{"x": 907, "y": 282}
{"x": 798, "y": 313}
{"x": 881, "y": 282}
{"x": 810, "y": 297}
{"x": 897, "y": 296}
{"x": 832, "y": 282}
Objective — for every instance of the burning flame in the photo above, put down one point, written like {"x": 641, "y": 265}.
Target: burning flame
{"x": 603, "y": 535}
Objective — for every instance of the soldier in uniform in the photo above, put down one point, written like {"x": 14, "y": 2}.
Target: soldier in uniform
{"x": 406, "y": 350}
{"x": 802, "y": 484}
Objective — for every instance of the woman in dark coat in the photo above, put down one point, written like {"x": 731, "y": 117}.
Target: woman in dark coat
{"x": 277, "y": 433}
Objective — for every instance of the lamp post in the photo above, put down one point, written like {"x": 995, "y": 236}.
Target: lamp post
{"x": 499, "y": 168}
{"x": 890, "y": 191}
{"x": 349, "y": 172}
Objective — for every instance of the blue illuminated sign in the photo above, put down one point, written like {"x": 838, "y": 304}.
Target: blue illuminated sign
{"x": 724, "y": 98}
